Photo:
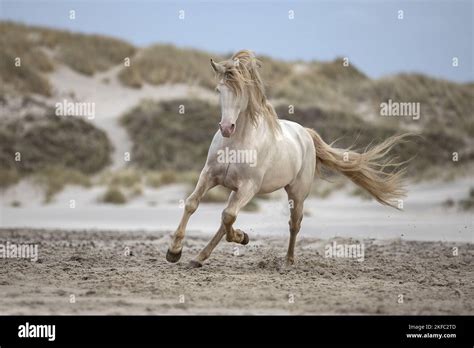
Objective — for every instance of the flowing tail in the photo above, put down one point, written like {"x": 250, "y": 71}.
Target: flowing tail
{"x": 366, "y": 169}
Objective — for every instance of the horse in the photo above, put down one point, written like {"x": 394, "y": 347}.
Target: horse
{"x": 288, "y": 156}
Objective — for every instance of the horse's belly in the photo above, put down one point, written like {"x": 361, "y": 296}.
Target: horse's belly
{"x": 282, "y": 171}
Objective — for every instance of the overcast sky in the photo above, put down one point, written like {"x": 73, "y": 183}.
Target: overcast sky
{"x": 369, "y": 32}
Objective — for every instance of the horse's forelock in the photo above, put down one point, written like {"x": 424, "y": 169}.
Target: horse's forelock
{"x": 244, "y": 75}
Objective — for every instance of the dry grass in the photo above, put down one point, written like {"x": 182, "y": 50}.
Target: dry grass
{"x": 85, "y": 54}
{"x": 327, "y": 84}
{"x": 53, "y": 141}
{"x": 39, "y": 140}
{"x": 328, "y": 97}
{"x": 160, "y": 64}
{"x": 126, "y": 177}
{"x": 132, "y": 179}
{"x": 76, "y": 51}
{"x": 114, "y": 195}
{"x": 55, "y": 179}
{"x": 444, "y": 105}
{"x": 8, "y": 176}
{"x": 164, "y": 139}
{"x": 468, "y": 202}
{"x": 29, "y": 76}
{"x": 432, "y": 149}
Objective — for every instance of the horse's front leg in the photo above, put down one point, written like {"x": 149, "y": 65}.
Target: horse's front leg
{"x": 237, "y": 200}
{"x": 205, "y": 183}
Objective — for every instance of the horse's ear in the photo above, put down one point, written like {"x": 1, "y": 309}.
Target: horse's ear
{"x": 217, "y": 67}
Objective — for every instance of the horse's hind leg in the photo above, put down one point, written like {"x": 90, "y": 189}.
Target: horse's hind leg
{"x": 205, "y": 183}
{"x": 296, "y": 216}
{"x": 297, "y": 193}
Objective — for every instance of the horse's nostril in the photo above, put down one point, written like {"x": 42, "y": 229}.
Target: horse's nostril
{"x": 232, "y": 126}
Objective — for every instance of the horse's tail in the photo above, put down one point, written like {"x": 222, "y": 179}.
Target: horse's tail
{"x": 366, "y": 169}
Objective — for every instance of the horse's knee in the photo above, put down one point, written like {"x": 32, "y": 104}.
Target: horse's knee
{"x": 191, "y": 205}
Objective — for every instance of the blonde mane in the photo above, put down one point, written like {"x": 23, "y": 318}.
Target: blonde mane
{"x": 241, "y": 74}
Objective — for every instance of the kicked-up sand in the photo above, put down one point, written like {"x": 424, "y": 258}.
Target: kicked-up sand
{"x": 104, "y": 272}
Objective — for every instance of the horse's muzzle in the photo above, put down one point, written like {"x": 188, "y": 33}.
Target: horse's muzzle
{"x": 227, "y": 129}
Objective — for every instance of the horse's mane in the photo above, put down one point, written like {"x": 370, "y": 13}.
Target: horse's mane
{"x": 242, "y": 72}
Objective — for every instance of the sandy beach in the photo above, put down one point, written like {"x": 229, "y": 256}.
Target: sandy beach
{"x": 103, "y": 257}
{"x": 101, "y": 272}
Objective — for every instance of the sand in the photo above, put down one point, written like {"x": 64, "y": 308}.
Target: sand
{"x": 105, "y": 272}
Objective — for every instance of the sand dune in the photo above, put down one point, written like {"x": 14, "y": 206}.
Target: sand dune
{"x": 112, "y": 99}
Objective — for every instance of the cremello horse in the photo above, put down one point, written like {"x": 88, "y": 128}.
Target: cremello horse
{"x": 287, "y": 157}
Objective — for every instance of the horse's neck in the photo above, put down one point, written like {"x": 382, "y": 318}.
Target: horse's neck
{"x": 246, "y": 131}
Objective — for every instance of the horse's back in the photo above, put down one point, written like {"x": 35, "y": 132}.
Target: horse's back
{"x": 299, "y": 134}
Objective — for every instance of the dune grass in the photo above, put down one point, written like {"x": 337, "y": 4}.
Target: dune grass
{"x": 126, "y": 177}
{"x": 54, "y": 179}
{"x": 444, "y": 105}
{"x": 433, "y": 148}
{"x": 71, "y": 143}
{"x": 323, "y": 84}
{"x": 21, "y": 65}
{"x": 165, "y": 139}
{"x": 326, "y": 85}
{"x": 76, "y": 50}
{"x": 133, "y": 179}
{"x": 42, "y": 144}
{"x": 160, "y": 64}
{"x": 8, "y": 177}
{"x": 468, "y": 202}
{"x": 45, "y": 141}
{"x": 327, "y": 96}
{"x": 40, "y": 48}
{"x": 114, "y": 195}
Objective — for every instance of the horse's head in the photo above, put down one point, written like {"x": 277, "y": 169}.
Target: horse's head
{"x": 237, "y": 78}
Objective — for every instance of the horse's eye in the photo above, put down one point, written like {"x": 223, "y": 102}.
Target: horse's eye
{"x": 228, "y": 75}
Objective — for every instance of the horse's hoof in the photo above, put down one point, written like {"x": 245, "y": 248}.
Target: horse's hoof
{"x": 245, "y": 241}
{"x": 195, "y": 264}
{"x": 173, "y": 257}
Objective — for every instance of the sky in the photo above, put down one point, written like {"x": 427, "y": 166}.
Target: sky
{"x": 368, "y": 32}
